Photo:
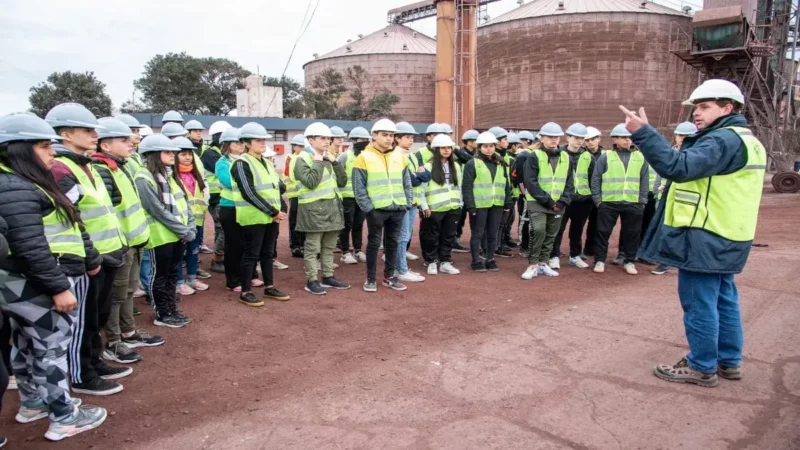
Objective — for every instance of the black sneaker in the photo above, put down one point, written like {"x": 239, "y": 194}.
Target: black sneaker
{"x": 315, "y": 288}
{"x": 170, "y": 321}
{"x": 179, "y": 314}
{"x": 136, "y": 311}
{"x": 142, "y": 339}
{"x": 458, "y": 248}
{"x": 504, "y": 252}
{"x": 98, "y": 386}
{"x": 370, "y": 286}
{"x": 218, "y": 266}
{"x": 107, "y": 372}
{"x": 297, "y": 253}
{"x": 249, "y": 299}
{"x": 491, "y": 266}
{"x": 394, "y": 283}
{"x": 275, "y": 294}
{"x": 331, "y": 282}
{"x": 661, "y": 269}
{"x": 512, "y": 244}
{"x": 121, "y": 353}
{"x": 3, "y": 441}
{"x": 478, "y": 266}
{"x": 148, "y": 301}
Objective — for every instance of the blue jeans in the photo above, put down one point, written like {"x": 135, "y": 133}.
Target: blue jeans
{"x": 192, "y": 258}
{"x": 405, "y": 237}
{"x": 145, "y": 270}
{"x": 712, "y": 319}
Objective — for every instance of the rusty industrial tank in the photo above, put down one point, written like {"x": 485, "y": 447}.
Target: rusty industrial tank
{"x": 568, "y": 61}
{"x": 396, "y": 58}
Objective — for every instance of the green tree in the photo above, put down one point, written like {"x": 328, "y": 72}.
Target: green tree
{"x": 362, "y": 108}
{"x": 293, "y": 95}
{"x": 62, "y": 87}
{"x": 327, "y": 89}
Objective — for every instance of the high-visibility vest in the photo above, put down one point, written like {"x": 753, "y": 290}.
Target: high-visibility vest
{"x": 620, "y": 185}
{"x": 582, "y": 183}
{"x": 488, "y": 192}
{"x": 728, "y": 207}
{"x": 97, "y": 212}
{"x": 159, "y": 233}
{"x": 63, "y": 237}
{"x": 413, "y": 167}
{"x": 197, "y": 203}
{"x": 325, "y": 190}
{"x": 133, "y": 164}
{"x": 347, "y": 191}
{"x": 651, "y": 175}
{"x": 129, "y": 212}
{"x": 292, "y": 186}
{"x": 385, "y": 181}
{"x": 426, "y": 154}
{"x": 552, "y": 182}
{"x": 509, "y": 159}
{"x": 445, "y": 197}
{"x": 267, "y": 186}
{"x": 214, "y": 186}
{"x": 226, "y": 193}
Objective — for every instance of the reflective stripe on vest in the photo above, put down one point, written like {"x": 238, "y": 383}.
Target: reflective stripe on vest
{"x": 97, "y": 212}
{"x": 426, "y": 154}
{"x": 347, "y": 191}
{"x": 325, "y": 190}
{"x": 214, "y": 186}
{"x": 726, "y": 207}
{"x": 551, "y": 182}
{"x": 413, "y": 166}
{"x": 267, "y": 186}
{"x": 130, "y": 213}
{"x": 582, "y": 184}
{"x": 619, "y": 184}
{"x": 488, "y": 192}
{"x": 385, "y": 178}
{"x": 445, "y": 197}
{"x": 159, "y": 233}
{"x": 651, "y": 175}
{"x": 197, "y": 203}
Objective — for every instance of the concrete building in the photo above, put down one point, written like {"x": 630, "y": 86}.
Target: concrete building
{"x": 257, "y": 100}
{"x": 395, "y": 58}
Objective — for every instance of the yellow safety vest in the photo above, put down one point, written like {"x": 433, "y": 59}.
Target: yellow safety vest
{"x": 159, "y": 233}
{"x": 347, "y": 192}
{"x": 445, "y": 197}
{"x": 267, "y": 186}
{"x": 413, "y": 166}
{"x": 488, "y": 192}
{"x": 426, "y": 154}
{"x": 582, "y": 183}
{"x": 130, "y": 213}
{"x": 620, "y": 185}
{"x": 552, "y": 182}
{"x": 214, "y": 186}
{"x": 198, "y": 204}
{"x": 385, "y": 183}
{"x": 325, "y": 190}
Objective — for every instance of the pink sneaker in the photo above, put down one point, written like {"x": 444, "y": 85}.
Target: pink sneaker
{"x": 198, "y": 285}
{"x": 184, "y": 289}
{"x": 236, "y": 289}
{"x": 256, "y": 282}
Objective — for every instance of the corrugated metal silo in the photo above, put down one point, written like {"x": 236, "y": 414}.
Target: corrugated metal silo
{"x": 396, "y": 58}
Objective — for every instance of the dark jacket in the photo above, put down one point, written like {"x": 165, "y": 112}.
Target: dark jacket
{"x": 105, "y": 164}
{"x": 468, "y": 180}
{"x": 417, "y": 178}
{"x": 712, "y": 151}
{"x": 518, "y": 168}
{"x": 22, "y": 206}
{"x": 3, "y": 241}
{"x": 601, "y": 167}
{"x": 531, "y": 180}
{"x": 322, "y": 215}
{"x": 464, "y": 155}
{"x": 573, "y": 159}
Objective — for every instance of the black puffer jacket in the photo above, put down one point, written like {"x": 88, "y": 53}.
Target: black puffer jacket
{"x": 22, "y": 206}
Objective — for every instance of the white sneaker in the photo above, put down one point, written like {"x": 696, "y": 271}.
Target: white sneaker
{"x": 578, "y": 262}
{"x": 530, "y": 273}
{"x": 349, "y": 258}
{"x": 599, "y": 267}
{"x": 383, "y": 258}
{"x": 411, "y": 257}
{"x": 631, "y": 269}
{"x": 361, "y": 257}
{"x": 411, "y": 277}
{"x": 198, "y": 285}
{"x": 184, "y": 289}
{"x": 448, "y": 268}
{"x": 277, "y": 265}
{"x": 547, "y": 271}
{"x": 432, "y": 269}
{"x": 554, "y": 263}
{"x": 138, "y": 293}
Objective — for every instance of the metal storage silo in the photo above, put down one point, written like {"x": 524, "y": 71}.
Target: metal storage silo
{"x": 395, "y": 58}
{"x": 576, "y": 60}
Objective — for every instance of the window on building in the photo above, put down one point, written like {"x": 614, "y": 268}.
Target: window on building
{"x": 278, "y": 136}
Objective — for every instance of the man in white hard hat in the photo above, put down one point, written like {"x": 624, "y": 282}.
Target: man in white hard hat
{"x": 464, "y": 155}
{"x": 706, "y": 229}
{"x": 581, "y": 203}
{"x": 353, "y": 216}
{"x": 593, "y": 147}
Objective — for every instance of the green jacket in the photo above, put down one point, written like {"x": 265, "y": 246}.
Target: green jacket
{"x": 321, "y": 215}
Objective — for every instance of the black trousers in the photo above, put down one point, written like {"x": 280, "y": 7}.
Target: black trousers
{"x": 353, "y": 225}
{"x": 507, "y": 221}
{"x": 630, "y": 214}
{"x": 296, "y": 238}
{"x": 5, "y": 362}
{"x": 576, "y": 214}
{"x": 484, "y": 226}
{"x": 233, "y": 246}
{"x": 437, "y": 234}
{"x": 649, "y": 211}
{"x": 94, "y": 318}
{"x": 3, "y": 382}
{"x": 591, "y": 233}
{"x": 383, "y": 225}
{"x": 461, "y": 221}
{"x": 259, "y": 246}
{"x": 524, "y": 223}
{"x": 166, "y": 260}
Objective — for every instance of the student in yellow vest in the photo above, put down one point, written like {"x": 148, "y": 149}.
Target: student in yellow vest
{"x": 337, "y": 141}
{"x": 464, "y": 154}
{"x": 48, "y": 256}
{"x": 256, "y": 193}
{"x": 296, "y": 238}
{"x": 270, "y": 155}
{"x": 548, "y": 179}
{"x": 194, "y": 133}
{"x": 425, "y": 154}
{"x": 594, "y": 150}
{"x": 210, "y": 155}
{"x": 517, "y": 177}
{"x": 382, "y": 187}
{"x": 706, "y": 229}
{"x": 114, "y": 150}
{"x": 502, "y": 149}
{"x": 441, "y": 204}
{"x": 171, "y": 223}
{"x": 619, "y": 189}
{"x": 196, "y": 191}
{"x": 82, "y": 184}
{"x": 487, "y": 194}
{"x": 353, "y": 215}
{"x": 320, "y": 215}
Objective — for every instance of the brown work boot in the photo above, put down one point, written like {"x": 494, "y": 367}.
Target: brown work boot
{"x": 682, "y": 373}
{"x": 729, "y": 373}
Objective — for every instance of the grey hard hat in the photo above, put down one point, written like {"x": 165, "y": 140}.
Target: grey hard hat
{"x": 172, "y": 116}
{"x": 157, "y": 143}
{"x": 446, "y": 128}
{"x": 71, "y": 115}
{"x": 173, "y": 129}
{"x": 434, "y": 128}
{"x": 129, "y": 120}
{"x": 405, "y": 128}
{"x": 513, "y": 138}
{"x": 25, "y": 127}
{"x": 620, "y": 131}
{"x": 253, "y": 130}
{"x": 298, "y": 139}
{"x": 338, "y": 132}
{"x": 577, "y": 130}
{"x": 193, "y": 125}
{"x": 113, "y": 128}
{"x": 229, "y": 135}
{"x": 686, "y": 128}
{"x": 498, "y": 132}
{"x": 359, "y": 133}
{"x": 183, "y": 143}
{"x": 527, "y": 135}
{"x": 551, "y": 129}
{"x": 470, "y": 135}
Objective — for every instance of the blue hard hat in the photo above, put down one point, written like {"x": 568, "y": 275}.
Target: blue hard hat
{"x": 686, "y": 128}
{"x": 157, "y": 143}
{"x": 71, "y": 115}
{"x": 172, "y": 116}
{"x": 183, "y": 143}
{"x": 405, "y": 128}
{"x": 173, "y": 129}
{"x": 229, "y": 135}
{"x": 193, "y": 125}
{"x": 620, "y": 131}
{"x": 113, "y": 128}
{"x": 577, "y": 130}
{"x": 25, "y": 127}
{"x": 253, "y": 130}
{"x": 359, "y": 133}
{"x": 298, "y": 139}
{"x": 527, "y": 135}
{"x": 129, "y": 120}
{"x": 337, "y": 132}
{"x": 498, "y": 132}
{"x": 551, "y": 129}
{"x": 470, "y": 135}
{"x": 513, "y": 138}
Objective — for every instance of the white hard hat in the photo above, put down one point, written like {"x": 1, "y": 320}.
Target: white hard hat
{"x": 145, "y": 131}
{"x": 318, "y": 129}
{"x": 442, "y": 140}
{"x": 486, "y": 138}
{"x": 218, "y": 127}
{"x": 592, "y": 132}
{"x": 620, "y": 131}
{"x": 269, "y": 152}
{"x": 384, "y": 125}
{"x": 716, "y": 90}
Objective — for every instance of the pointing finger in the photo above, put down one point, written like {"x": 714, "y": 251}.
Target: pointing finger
{"x": 627, "y": 112}
{"x": 642, "y": 114}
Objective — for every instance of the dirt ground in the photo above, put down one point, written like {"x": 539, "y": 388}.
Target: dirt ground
{"x": 471, "y": 361}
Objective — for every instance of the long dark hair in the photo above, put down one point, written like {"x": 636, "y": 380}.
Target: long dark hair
{"x": 154, "y": 165}
{"x": 437, "y": 174}
{"x": 198, "y": 177}
{"x": 22, "y": 160}
{"x": 226, "y": 148}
